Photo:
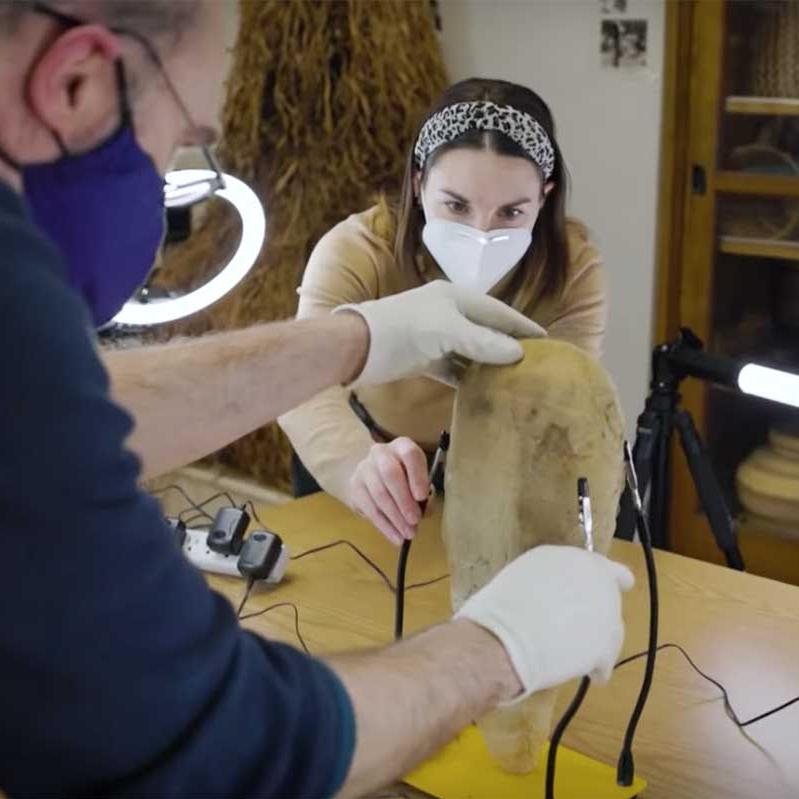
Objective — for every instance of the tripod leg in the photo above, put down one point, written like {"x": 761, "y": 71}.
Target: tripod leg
{"x": 651, "y": 457}
{"x": 645, "y": 449}
{"x": 709, "y": 490}
{"x": 625, "y": 522}
{"x": 660, "y": 477}
{"x": 646, "y": 438}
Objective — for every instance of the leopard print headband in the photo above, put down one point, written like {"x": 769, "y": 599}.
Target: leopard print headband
{"x": 455, "y": 120}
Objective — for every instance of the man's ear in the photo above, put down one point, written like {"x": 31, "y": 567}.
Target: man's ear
{"x": 73, "y": 88}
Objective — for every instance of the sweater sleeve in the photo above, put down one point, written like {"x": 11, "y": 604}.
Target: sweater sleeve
{"x": 581, "y": 318}
{"x": 121, "y": 673}
{"x": 326, "y": 434}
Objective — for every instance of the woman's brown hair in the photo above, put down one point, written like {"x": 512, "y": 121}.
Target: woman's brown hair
{"x": 546, "y": 263}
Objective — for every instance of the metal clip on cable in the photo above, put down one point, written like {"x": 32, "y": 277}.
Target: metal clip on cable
{"x": 584, "y": 509}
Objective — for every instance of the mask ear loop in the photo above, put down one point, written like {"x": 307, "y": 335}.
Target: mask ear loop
{"x": 125, "y": 110}
{"x": 9, "y": 161}
{"x": 125, "y": 114}
{"x": 68, "y": 21}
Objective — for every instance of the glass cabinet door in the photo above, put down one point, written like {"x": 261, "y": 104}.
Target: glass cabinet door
{"x": 754, "y": 312}
{"x": 738, "y": 269}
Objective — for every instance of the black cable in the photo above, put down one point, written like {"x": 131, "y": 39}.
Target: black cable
{"x": 425, "y": 583}
{"x": 344, "y": 542}
{"x": 768, "y": 713}
{"x": 582, "y": 690}
{"x": 195, "y": 518}
{"x": 255, "y": 516}
{"x": 402, "y": 561}
{"x": 554, "y": 741}
{"x": 192, "y": 504}
{"x": 728, "y": 708}
{"x": 625, "y": 769}
{"x": 296, "y": 620}
{"x": 174, "y": 487}
{"x": 586, "y": 523}
{"x": 224, "y": 494}
{"x": 576, "y": 702}
{"x": 247, "y": 592}
{"x": 383, "y": 576}
{"x": 198, "y": 506}
{"x": 559, "y": 731}
{"x": 399, "y": 604}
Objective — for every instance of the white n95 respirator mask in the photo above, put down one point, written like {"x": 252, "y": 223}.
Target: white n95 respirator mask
{"x": 475, "y": 258}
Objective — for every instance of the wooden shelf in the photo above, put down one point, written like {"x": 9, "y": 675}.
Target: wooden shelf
{"x": 763, "y": 185}
{"x": 764, "y": 106}
{"x": 759, "y": 248}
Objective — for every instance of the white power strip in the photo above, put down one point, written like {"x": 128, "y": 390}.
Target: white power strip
{"x": 196, "y": 550}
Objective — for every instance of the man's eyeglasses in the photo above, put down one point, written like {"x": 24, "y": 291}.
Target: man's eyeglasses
{"x": 186, "y": 193}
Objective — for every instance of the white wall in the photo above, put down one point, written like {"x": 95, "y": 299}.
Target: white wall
{"x": 608, "y": 124}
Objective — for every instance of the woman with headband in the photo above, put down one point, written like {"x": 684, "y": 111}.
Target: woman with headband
{"x": 483, "y": 204}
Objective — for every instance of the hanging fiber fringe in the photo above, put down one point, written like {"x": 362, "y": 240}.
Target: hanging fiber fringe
{"x": 322, "y": 102}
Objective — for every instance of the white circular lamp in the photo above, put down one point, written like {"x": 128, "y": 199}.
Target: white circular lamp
{"x": 185, "y": 187}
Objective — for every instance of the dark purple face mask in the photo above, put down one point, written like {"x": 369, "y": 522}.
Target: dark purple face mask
{"x": 104, "y": 210}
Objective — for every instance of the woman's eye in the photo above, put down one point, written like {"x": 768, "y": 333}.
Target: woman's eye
{"x": 512, "y": 213}
{"x": 456, "y": 206}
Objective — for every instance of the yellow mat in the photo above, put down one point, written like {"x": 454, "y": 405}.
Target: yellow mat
{"x": 465, "y": 770}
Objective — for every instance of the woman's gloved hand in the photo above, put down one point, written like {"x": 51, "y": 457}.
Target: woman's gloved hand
{"x": 419, "y": 331}
{"x": 387, "y": 487}
{"x": 557, "y": 612}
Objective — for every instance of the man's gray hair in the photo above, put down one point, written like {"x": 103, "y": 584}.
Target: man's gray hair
{"x": 150, "y": 18}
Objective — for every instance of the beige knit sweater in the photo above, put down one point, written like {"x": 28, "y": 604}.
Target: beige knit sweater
{"x": 353, "y": 263}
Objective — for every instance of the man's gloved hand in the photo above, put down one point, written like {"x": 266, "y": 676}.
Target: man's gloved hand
{"x": 557, "y": 612}
{"x": 418, "y": 331}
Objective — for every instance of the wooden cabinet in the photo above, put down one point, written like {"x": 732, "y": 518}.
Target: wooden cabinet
{"x": 728, "y": 245}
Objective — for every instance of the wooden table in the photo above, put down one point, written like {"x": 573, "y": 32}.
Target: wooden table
{"x": 742, "y": 630}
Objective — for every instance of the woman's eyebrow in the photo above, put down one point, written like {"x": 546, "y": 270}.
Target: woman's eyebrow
{"x": 462, "y": 199}
{"x": 455, "y": 196}
{"x": 520, "y": 201}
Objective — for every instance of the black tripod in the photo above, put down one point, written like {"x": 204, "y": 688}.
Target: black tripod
{"x": 671, "y": 363}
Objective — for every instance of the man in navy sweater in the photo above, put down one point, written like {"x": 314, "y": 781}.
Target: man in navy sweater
{"x": 121, "y": 673}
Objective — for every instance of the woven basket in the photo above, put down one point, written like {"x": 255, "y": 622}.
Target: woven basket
{"x": 322, "y": 103}
{"x": 785, "y": 442}
{"x": 768, "y": 481}
{"x": 775, "y": 51}
{"x": 761, "y": 217}
{"x": 768, "y": 486}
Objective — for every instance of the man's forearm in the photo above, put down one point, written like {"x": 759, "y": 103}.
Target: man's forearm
{"x": 411, "y": 699}
{"x": 191, "y": 397}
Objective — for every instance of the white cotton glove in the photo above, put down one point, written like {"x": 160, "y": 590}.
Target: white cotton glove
{"x": 557, "y": 612}
{"x": 418, "y": 331}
